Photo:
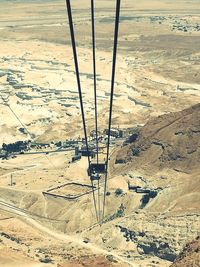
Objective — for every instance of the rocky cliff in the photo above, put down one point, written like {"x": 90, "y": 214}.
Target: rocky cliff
{"x": 190, "y": 256}
{"x": 168, "y": 141}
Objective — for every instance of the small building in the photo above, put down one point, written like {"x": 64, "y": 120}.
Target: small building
{"x": 138, "y": 189}
{"x": 142, "y": 191}
{"x": 117, "y": 133}
{"x": 65, "y": 144}
{"x": 72, "y": 142}
{"x": 133, "y": 188}
{"x": 40, "y": 145}
{"x": 85, "y": 153}
{"x": 76, "y": 157}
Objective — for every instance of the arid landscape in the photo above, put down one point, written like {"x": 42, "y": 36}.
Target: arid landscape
{"x": 152, "y": 215}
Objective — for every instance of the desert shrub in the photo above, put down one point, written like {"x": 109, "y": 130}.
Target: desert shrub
{"x": 135, "y": 152}
{"x": 119, "y": 213}
{"x": 46, "y": 260}
{"x": 118, "y": 192}
{"x": 133, "y": 138}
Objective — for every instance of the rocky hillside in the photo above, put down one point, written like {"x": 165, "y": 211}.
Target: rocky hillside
{"x": 190, "y": 256}
{"x": 168, "y": 141}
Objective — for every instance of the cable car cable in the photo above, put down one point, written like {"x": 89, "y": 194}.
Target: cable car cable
{"x": 73, "y": 42}
{"x": 95, "y": 96}
{"x": 22, "y": 124}
{"x": 111, "y": 98}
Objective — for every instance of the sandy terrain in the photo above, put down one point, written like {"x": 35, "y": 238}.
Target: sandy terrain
{"x": 157, "y": 73}
{"x": 37, "y": 74}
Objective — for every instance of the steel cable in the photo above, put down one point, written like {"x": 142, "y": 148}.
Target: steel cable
{"x": 5, "y": 101}
{"x": 111, "y": 99}
{"x": 73, "y": 42}
{"x": 95, "y": 97}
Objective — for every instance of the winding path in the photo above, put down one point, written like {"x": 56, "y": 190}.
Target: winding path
{"x": 63, "y": 237}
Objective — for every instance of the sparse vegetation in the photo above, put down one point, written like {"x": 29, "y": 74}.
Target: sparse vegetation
{"x": 46, "y": 260}
{"x": 118, "y": 192}
{"x": 136, "y": 152}
{"x": 18, "y": 146}
{"x": 118, "y": 214}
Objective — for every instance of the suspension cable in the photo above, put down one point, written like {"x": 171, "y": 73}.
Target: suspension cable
{"x": 95, "y": 95}
{"x": 95, "y": 84}
{"x": 16, "y": 116}
{"x": 111, "y": 98}
{"x": 68, "y": 5}
{"x": 5, "y": 101}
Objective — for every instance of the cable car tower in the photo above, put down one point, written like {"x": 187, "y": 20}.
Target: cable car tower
{"x": 95, "y": 170}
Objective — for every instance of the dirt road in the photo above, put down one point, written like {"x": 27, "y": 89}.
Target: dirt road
{"x": 63, "y": 237}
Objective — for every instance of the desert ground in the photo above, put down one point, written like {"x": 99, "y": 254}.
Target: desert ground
{"x": 157, "y": 76}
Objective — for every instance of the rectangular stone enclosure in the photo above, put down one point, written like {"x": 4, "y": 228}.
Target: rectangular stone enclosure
{"x": 70, "y": 191}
